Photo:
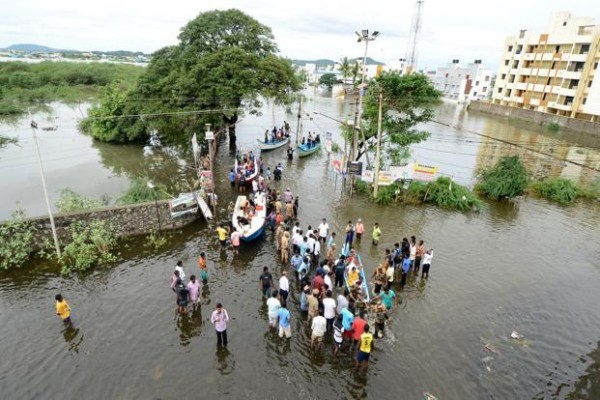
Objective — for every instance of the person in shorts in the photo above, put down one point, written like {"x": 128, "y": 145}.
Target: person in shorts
{"x": 364, "y": 349}
{"x": 285, "y": 327}
{"x": 338, "y": 334}
{"x": 273, "y": 305}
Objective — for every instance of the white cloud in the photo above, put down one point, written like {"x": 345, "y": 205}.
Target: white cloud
{"x": 464, "y": 29}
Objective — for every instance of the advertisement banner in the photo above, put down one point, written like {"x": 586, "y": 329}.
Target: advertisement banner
{"x": 424, "y": 173}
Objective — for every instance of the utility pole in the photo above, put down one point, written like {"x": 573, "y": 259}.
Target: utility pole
{"x": 210, "y": 136}
{"x": 378, "y": 152}
{"x": 37, "y": 149}
{"x": 299, "y": 118}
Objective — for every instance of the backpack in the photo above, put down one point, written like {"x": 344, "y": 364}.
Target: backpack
{"x": 397, "y": 256}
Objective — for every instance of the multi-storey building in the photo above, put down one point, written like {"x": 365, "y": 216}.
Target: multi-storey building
{"x": 555, "y": 71}
{"x": 463, "y": 83}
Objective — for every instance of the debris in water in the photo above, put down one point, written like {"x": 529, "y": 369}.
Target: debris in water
{"x": 490, "y": 347}
{"x": 429, "y": 396}
{"x": 516, "y": 335}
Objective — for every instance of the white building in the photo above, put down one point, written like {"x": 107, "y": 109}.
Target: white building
{"x": 463, "y": 83}
{"x": 553, "y": 71}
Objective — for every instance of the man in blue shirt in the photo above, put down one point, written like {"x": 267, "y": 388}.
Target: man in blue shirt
{"x": 295, "y": 263}
{"x": 347, "y": 320}
{"x": 284, "y": 323}
{"x": 232, "y": 178}
{"x": 304, "y": 299}
{"x": 388, "y": 298}
{"x": 405, "y": 268}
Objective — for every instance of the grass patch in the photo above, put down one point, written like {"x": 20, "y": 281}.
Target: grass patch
{"x": 139, "y": 192}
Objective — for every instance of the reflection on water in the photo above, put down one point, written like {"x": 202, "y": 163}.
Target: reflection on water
{"x": 70, "y": 333}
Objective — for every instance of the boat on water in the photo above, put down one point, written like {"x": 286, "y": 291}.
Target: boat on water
{"x": 249, "y": 177}
{"x": 304, "y": 149}
{"x": 270, "y": 145}
{"x": 256, "y": 224}
{"x": 364, "y": 283}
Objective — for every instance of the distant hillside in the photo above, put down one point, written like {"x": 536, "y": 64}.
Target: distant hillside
{"x": 323, "y": 62}
{"x": 33, "y": 48}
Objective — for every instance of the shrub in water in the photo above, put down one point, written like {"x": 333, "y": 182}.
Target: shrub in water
{"x": 507, "y": 179}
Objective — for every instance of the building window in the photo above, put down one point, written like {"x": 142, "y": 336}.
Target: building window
{"x": 549, "y": 80}
{"x": 510, "y": 48}
{"x": 484, "y": 89}
{"x": 565, "y": 23}
{"x": 499, "y": 90}
{"x": 585, "y": 48}
{"x": 487, "y": 78}
{"x": 508, "y": 92}
{"x": 468, "y": 76}
{"x": 553, "y": 65}
{"x": 475, "y": 94}
{"x": 595, "y": 65}
{"x": 573, "y": 84}
{"x": 590, "y": 84}
{"x": 515, "y": 63}
{"x": 544, "y": 96}
{"x": 506, "y": 62}
{"x": 568, "y": 100}
{"x": 557, "y": 49}
{"x": 476, "y": 83}
{"x": 503, "y": 76}
{"x": 446, "y": 74}
{"x": 584, "y": 101}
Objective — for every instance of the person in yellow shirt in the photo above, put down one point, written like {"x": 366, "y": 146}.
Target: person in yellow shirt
{"x": 353, "y": 276}
{"x": 365, "y": 348}
{"x": 62, "y": 309}
{"x": 222, "y": 232}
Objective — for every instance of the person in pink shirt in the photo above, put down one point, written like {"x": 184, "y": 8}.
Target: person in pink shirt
{"x": 194, "y": 289}
{"x": 359, "y": 228}
{"x": 235, "y": 241}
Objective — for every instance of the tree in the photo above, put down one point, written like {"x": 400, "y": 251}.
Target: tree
{"x": 507, "y": 179}
{"x": 407, "y": 101}
{"x": 345, "y": 68}
{"x": 328, "y": 80}
{"x": 224, "y": 64}
{"x": 354, "y": 71}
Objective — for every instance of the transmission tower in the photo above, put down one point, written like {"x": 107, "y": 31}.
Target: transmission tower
{"x": 415, "y": 29}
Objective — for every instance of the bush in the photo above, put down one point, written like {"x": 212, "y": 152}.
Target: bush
{"x": 91, "y": 245}
{"x": 560, "y": 190}
{"x": 445, "y": 193}
{"x": 70, "y": 201}
{"x": 507, "y": 179}
{"x": 16, "y": 239}
{"x": 553, "y": 127}
{"x": 139, "y": 192}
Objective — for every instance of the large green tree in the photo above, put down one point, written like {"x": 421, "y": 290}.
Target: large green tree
{"x": 407, "y": 101}
{"x": 328, "y": 79}
{"x": 224, "y": 65}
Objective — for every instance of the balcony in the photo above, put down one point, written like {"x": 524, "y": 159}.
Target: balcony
{"x": 562, "y": 107}
{"x": 525, "y": 71}
{"x": 575, "y": 57}
{"x": 521, "y": 86}
{"x": 569, "y": 74}
{"x": 567, "y": 92}
{"x": 529, "y": 56}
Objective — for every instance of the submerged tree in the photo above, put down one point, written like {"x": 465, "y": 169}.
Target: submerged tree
{"x": 407, "y": 101}
{"x": 224, "y": 64}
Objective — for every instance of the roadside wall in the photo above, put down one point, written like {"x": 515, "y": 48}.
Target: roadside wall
{"x": 536, "y": 117}
{"x": 129, "y": 220}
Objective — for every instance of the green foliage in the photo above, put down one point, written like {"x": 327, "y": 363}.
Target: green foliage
{"x": 445, "y": 193}
{"x": 25, "y": 85}
{"x": 16, "y": 238}
{"x": 590, "y": 190}
{"x": 139, "y": 192}
{"x": 92, "y": 244}
{"x": 362, "y": 187}
{"x": 345, "y": 68}
{"x": 224, "y": 64}
{"x": 553, "y": 127}
{"x": 70, "y": 201}
{"x": 328, "y": 80}
{"x": 155, "y": 240}
{"x": 335, "y": 148}
{"x": 507, "y": 179}
{"x": 5, "y": 140}
{"x": 565, "y": 191}
{"x": 407, "y": 101}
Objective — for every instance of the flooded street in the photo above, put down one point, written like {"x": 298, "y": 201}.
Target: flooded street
{"x": 533, "y": 269}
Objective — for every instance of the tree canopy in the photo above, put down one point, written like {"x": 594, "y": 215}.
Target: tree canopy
{"x": 328, "y": 79}
{"x": 224, "y": 65}
{"x": 407, "y": 101}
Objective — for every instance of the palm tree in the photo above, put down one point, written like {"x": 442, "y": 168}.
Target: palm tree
{"x": 345, "y": 68}
{"x": 355, "y": 71}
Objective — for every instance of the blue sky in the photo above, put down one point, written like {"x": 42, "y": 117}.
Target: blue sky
{"x": 308, "y": 29}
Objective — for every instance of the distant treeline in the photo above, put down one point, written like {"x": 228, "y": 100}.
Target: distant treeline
{"x": 24, "y": 85}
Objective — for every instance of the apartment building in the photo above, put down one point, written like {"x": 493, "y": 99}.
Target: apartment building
{"x": 555, "y": 71}
{"x": 463, "y": 83}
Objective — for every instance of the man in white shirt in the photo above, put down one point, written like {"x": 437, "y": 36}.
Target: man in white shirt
{"x": 297, "y": 240}
{"x": 319, "y": 326}
{"x": 323, "y": 230}
{"x": 179, "y": 267}
{"x": 317, "y": 251}
{"x": 342, "y": 301}
{"x": 273, "y": 305}
{"x": 329, "y": 309}
{"x": 284, "y": 288}
{"x": 311, "y": 243}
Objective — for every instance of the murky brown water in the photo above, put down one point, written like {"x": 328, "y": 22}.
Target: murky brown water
{"x": 534, "y": 269}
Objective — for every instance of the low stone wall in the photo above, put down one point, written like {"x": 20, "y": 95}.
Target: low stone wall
{"x": 539, "y": 118}
{"x": 129, "y": 220}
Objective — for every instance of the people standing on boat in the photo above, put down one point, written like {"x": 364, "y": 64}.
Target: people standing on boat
{"x": 273, "y": 306}
{"x": 359, "y": 228}
{"x": 63, "y": 310}
{"x": 427, "y": 257}
{"x": 376, "y": 234}
{"x": 219, "y": 319}
{"x": 265, "y": 283}
{"x": 193, "y": 288}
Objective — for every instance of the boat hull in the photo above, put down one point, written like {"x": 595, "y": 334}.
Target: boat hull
{"x": 304, "y": 151}
{"x": 363, "y": 278}
{"x": 257, "y": 223}
{"x": 272, "y": 146}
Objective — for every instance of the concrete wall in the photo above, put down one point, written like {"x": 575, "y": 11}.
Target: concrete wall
{"x": 540, "y": 118}
{"x": 129, "y": 220}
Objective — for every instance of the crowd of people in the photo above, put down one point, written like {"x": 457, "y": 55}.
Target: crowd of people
{"x": 278, "y": 134}
{"x": 311, "y": 140}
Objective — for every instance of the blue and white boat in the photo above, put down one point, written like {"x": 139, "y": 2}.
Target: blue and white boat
{"x": 256, "y": 225}
{"x": 305, "y": 150}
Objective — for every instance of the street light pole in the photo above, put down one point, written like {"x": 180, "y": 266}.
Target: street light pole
{"x": 37, "y": 149}
{"x": 151, "y": 187}
{"x": 210, "y": 136}
{"x": 378, "y": 152}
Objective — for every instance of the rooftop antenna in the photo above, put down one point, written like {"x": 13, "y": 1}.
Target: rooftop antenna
{"x": 415, "y": 29}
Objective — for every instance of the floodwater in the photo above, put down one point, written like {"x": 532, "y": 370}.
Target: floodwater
{"x": 533, "y": 269}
